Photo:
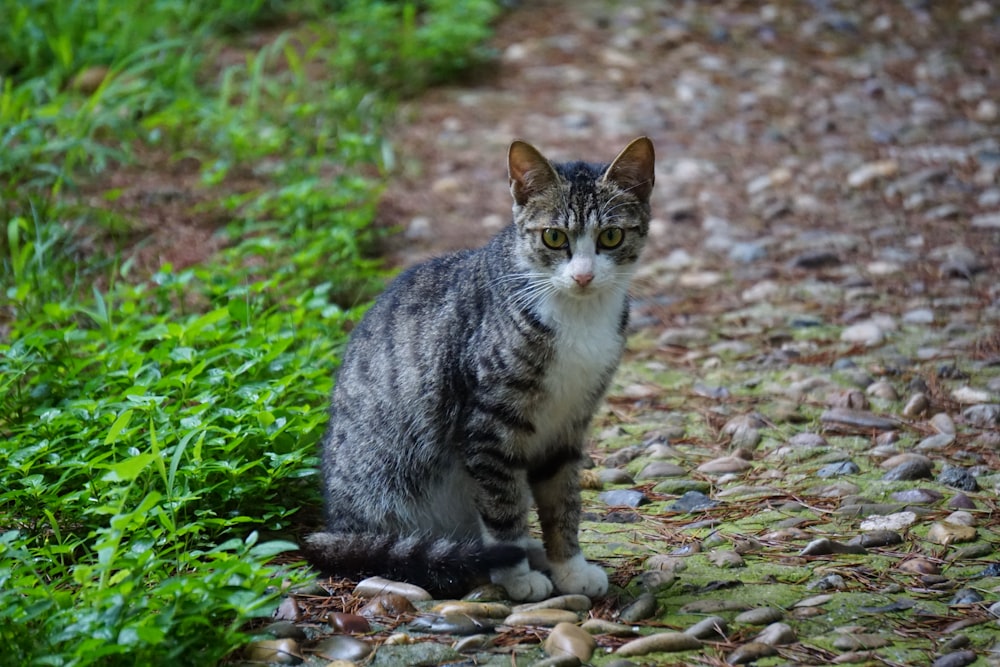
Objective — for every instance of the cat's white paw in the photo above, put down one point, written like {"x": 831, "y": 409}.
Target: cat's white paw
{"x": 523, "y": 583}
{"x": 577, "y": 576}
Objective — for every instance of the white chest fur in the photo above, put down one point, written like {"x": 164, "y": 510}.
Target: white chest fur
{"x": 587, "y": 345}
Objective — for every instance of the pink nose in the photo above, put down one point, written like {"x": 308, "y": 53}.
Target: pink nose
{"x": 583, "y": 279}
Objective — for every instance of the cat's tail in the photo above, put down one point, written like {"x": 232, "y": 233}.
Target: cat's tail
{"x": 442, "y": 566}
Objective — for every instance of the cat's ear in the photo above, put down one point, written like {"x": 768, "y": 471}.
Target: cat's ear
{"x": 632, "y": 170}
{"x": 529, "y": 171}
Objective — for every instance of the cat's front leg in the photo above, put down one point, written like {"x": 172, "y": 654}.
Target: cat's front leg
{"x": 557, "y": 495}
{"x": 502, "y": 500}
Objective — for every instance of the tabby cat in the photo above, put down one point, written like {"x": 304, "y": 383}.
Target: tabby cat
{"x": 466, "y": 391}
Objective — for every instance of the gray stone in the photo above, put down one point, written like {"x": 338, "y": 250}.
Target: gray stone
{"x": 374, "y": 586}
{"x": 614, "y": 476}
{"x": 984, "y": 415}
{"x": 661, "y": 642}
{"x": 837, "y": 469}
{"x": 693, "y": 501}
{"x": 452, "y": 624}
{"x": 777, "y": 634}
{"x": 640, "y": 609}
{"x": 713, "y": 627}
{"x": 660, "y": 469}
{"x": 909, "y": 471}
{"x": 342, "y": 647}
{"x": 759, "y": 616}
{"x": 570, "y": 639}
{"x": 750, "y": 653}
{"x": 275, "y": 651}
{"x": 623, "y": 498}
{"x": 856, "y": 419}
{"x": 958, "y": 478}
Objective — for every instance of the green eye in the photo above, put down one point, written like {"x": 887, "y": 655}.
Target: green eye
{"x": 554, "y": 238}
{"x": 611, "y": 237}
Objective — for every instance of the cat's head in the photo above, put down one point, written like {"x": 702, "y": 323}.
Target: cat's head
{"x": 580, "y": 226}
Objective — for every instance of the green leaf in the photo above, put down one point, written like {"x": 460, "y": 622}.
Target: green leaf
{"x": 129, "y": 469}
{"x": 272, "y": 548}
{"x": 120, "y": 425}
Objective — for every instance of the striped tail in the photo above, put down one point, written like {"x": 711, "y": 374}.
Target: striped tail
{"x": 444, "y": 567}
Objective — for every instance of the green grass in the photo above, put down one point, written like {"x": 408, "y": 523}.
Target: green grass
{"x": 157, "y": 432}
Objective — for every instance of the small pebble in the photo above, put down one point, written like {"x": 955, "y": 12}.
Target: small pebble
{"x": 966, "y": 596}
{"x": 919, "y": 565}
{"x": 387, "y": 604}
{"x": 725, "y": 464}
{"x": 614, "y": 476}
{"x": 750, "y": 653}
{"x": 473, "y": 643}
{"x": 908, "y": 471}
{"x": 945, "y": 533}
{"x": 558, "y": 661}
{"x": 574, "y": 602}
{"x": 860, "y": 640}
{"x": 369, "y": 588}
{"x": 856, "y": 419}
{"x": 960, "y": 501}
{"x": 542, "y": 617}
{"x": 623, "y": 498}
{"x": 877, "y": 538}
{"x": 660, "y": 469}
{"x": 342, "y": 647}
{"x": 916, "y": 406}
{"x": 759, "y": 616}
{"x": 569, "y": 639}
{"x": 838, "y": 469}
{"x": 883, "y": 390}
{"x": 961, "y": 518}
{"x": 825, "y": 547}
{"x": 713, "y": 627}
{"x": 814, "y": 601}
{"x": 983, "y": 416}
{"x": 871, "y": 171}
{"x": 713, "y": 606}
{"x": 599, "y": 626}
{"x": 955, "y": 659}
{"x": 777, "y": 634}
{"x": 692, "y": 501}
{"x": 452, "y": 624}
{"x": 486, "y": 593}
{"x": 917, "y": 496}
{"x": 288, "y": 610}
{"x": 349, "y": 624}
{"x": 640, "y": 609}
{"x": 942, "y": 423}
{"x": 726, "y": 559}
{"x": 661, "y": 642}
{"x": 285, "y": 630}
{"x": 275, "y": 651}
{"x": 478, "y": 609}
{"x": 868, "y": 334}
{"x": 890, "y": 522}
{"x": 958, "y": 478}
{"x": 935, "y": 442}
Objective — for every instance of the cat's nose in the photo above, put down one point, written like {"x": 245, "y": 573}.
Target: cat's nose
{"x": 583, "y": 279}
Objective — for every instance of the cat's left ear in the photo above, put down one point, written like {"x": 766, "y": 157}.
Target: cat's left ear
{"x": 632, "y": 170}
{"x": 529, "y": 172}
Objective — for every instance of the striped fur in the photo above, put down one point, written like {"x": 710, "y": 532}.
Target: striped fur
{"x": 465, "y": 393}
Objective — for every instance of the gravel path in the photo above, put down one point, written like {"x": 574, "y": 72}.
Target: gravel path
{"x": 799, "y": 460}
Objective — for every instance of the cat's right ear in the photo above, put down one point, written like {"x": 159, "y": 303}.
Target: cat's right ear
{"x": 529, "y": 172}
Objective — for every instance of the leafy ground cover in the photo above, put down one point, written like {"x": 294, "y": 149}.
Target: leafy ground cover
{"x": 159, "y": 409}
